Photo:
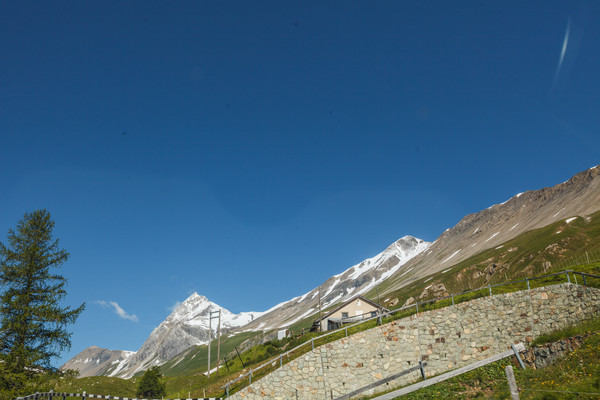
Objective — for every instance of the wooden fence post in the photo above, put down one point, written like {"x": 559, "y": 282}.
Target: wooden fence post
{"x": 514, "y": 390}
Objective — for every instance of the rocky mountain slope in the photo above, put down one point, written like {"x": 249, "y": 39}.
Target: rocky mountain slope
{"x": 403, "y": 262}
{"x": 95, "y": 360}
{"x": 352, "y": 282}
{"x": 186, "y": 326}
{"x": 579, "y": 196}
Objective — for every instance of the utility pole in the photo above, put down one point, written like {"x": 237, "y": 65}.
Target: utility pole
{"x": 380, "y": 311}
{"x": 209, "y": 334}
{"x": 320, "y": 322}
{"x": 210, "y": 317}
{"x": 219, "y": 343}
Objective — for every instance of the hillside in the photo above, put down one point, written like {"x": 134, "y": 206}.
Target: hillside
{"x": 356, "y": 280}
{"x": 574, "y": 375}
{"x": 533, "y": 232}
{"x": 187, "y": 326}
{"x": 474, "y": 234}
{"x": 561, "y": 245}
{"x": 490, "y": 228}
{"x": 530, "y": 254}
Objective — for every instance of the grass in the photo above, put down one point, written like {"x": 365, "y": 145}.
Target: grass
{"x": 102, "y": 385}
{"x": 570, "y": 377}
{"x": 519, "y": 258}
{"x": 195, "y": 359}
{"x": 198, "y": 385}
{"x": 532, "y": 253}
{"x": 583, "y": 328}
{"x": 578, "y": 373}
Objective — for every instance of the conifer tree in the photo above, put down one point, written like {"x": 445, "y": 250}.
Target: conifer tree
{"x": 33, "y": 322}
{"x": 150, "y": 386}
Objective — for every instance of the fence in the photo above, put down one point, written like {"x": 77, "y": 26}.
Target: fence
{"x": 516, "y": 349}
{"x": 419, "y": 367}
{"x": 408, "y": 310}
{"x": 587, "y": 257}
{"x": 50, "y": 396}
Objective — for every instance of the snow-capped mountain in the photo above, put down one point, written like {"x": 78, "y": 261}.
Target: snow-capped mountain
{"x": 356, "y": 280}
{"x": 186, "y": 326}
{"x": 402, "y": 262}
{"x": 96, "y": 361}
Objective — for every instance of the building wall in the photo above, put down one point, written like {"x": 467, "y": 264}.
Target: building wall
{"x": 445, "y": 339}
{"x": 356, "y": 307}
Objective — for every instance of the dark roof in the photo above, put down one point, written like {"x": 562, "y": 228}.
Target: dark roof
{"x": 350, "y": 301}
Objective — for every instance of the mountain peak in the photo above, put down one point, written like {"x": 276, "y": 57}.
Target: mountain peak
{"x": 195, "y": 305}
{"x": 195, "y": 297}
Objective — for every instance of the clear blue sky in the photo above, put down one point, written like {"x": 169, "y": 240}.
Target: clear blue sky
{"x": 250, "y": 150}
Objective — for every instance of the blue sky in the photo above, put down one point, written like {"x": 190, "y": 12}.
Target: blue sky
{"x": 248, "y": 151}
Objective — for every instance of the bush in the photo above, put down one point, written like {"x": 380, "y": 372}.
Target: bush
{"x": 271, "y": 350}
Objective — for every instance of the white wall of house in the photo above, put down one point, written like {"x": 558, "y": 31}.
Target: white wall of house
{"x": 355, "y": 308}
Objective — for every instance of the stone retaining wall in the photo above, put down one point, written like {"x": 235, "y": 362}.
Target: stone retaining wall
{"x": 445, "y": 339}
{"x": 545, "y": 355}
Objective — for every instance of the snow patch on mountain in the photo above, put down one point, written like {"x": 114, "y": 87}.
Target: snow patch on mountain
{"x": 187, "y": 325}
{"x": 337, "y": 281}
{"x": 288, "y": 323}
{"x": 452, "y": 255}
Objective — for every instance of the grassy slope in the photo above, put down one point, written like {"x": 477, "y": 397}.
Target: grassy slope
{"x": 102, "y": 385}
{"x": 195, "y": 359}
{"x": 577, "y": 373}
{"x": 530, "y": 254}
{"x": 527, "y": 255}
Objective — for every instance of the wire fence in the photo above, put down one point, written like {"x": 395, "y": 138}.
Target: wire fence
{"x": 534, "y": 267}
{"x": 584, "y": 258}
{"x": 272, "y": 364}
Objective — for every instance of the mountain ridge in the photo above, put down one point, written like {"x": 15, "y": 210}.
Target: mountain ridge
{"x": 186, "y": 326}
{"x": 404, "y": 261}
{"x": 476, "y": 232}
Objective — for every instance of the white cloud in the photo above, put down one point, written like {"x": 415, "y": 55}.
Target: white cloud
{"x": 174, "y": 306}
{"x": 118, "y": 310}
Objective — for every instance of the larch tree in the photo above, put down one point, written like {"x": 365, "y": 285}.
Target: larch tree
{"x": 33, "y": 322}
